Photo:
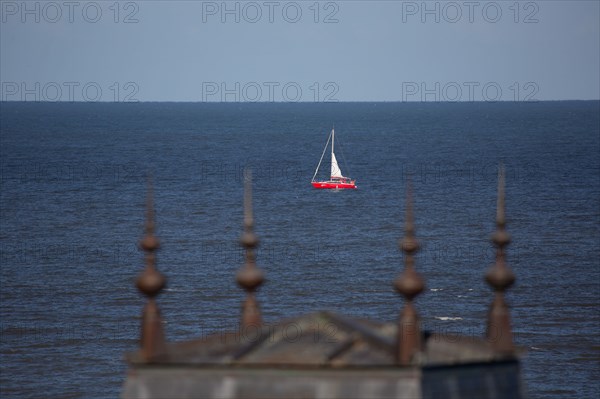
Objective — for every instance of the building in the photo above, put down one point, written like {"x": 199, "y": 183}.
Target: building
{"x": 326, "y": 355}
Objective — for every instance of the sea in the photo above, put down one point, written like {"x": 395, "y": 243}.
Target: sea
{"x": 73, "y": 185}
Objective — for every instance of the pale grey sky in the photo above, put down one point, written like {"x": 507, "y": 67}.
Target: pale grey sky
{"x": 299, "y": 50}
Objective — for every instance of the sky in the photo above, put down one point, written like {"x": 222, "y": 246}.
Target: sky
{"x": 299, "y": 50}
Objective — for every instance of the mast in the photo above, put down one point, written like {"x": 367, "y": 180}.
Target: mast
{"x": 332, "y": 141}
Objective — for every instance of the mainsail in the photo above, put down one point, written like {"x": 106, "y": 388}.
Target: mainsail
{"x": 335, "y": 169}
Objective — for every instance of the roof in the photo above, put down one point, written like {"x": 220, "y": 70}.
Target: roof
{"x": 321, "y": 339}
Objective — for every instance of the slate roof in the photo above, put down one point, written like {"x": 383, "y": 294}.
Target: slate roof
{"x": 321, "y": 339}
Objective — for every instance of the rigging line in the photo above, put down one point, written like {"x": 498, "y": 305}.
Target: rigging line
{"x": 324, "y": 149}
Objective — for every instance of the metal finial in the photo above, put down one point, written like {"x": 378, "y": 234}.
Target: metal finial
{"x": 150, "y": 282}
{"x": 500, "y": 278}
{"x": 249, "y": 277}
{"x": 409, "y": 284}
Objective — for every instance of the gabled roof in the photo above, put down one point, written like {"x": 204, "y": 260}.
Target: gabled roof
{"x": 321, "y": 339}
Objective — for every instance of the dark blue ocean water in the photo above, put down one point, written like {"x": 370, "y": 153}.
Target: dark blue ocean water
{"x": 72, "y": 195}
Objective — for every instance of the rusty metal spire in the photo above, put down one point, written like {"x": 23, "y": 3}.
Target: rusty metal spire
{"x": 500, "y": 277}
{"x": 249, "y": 277}
{"x": 409, "y": 284}
{"x": 150, "y": 282}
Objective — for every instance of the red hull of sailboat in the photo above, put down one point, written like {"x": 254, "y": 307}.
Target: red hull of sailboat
{"x": 333, "y": 185}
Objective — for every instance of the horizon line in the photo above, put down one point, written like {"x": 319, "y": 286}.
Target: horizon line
{"x": 292, "y": 102}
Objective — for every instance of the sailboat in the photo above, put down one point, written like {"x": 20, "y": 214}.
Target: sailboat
{"x": 336, "y": 180}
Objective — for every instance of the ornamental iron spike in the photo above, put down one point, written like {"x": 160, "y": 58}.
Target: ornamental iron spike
{"x": 409, "y": 284}
{"x": 249, "y": 277}
{"x": 150, "y": 283}
{"x": 500, "y": 278}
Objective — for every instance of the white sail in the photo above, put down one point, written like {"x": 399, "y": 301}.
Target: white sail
{"x": 335, "y": 169}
